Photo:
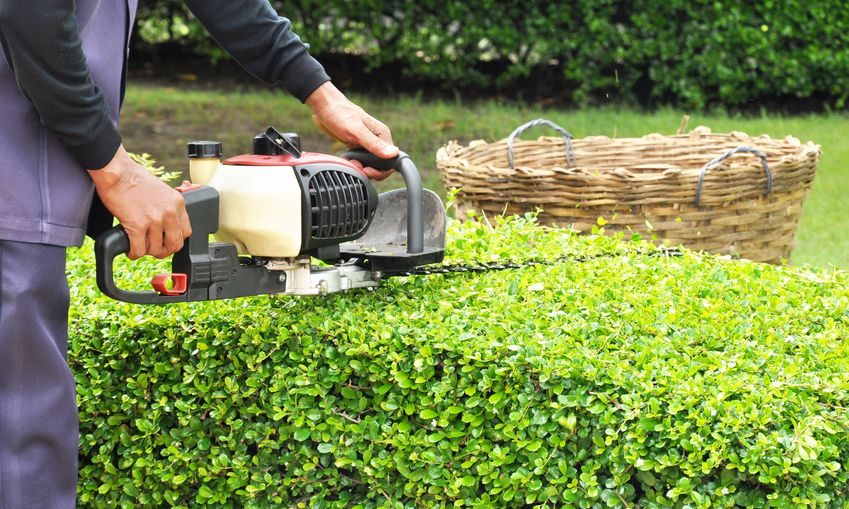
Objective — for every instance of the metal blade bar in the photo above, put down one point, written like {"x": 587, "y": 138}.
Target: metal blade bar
{"x": 479, "y": 267}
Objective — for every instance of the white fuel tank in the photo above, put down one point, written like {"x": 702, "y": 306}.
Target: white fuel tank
{"x": 260, "y": 209}
{"x": 262, "y": 195}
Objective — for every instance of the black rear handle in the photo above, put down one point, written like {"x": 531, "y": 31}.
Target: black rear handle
{"x": 202, "y": 209}
{"x": 208, "y": 270}
{"x": 109, "y": 245}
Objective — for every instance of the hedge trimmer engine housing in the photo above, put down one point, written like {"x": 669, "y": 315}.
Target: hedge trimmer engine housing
{"x": 275, "y": 210}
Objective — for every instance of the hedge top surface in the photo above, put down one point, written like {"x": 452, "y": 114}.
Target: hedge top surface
{"x": 624, "y": 380}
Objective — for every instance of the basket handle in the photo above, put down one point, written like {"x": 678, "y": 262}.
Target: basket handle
{"x": 567, "y": 137}
{"x": 723, "y": 157}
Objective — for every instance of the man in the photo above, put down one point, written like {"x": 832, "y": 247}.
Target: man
{"x": 62, "y": 75}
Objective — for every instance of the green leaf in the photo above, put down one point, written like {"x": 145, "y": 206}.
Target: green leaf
{"x": 204, "y": 492}
{"x": 513, "y": 288}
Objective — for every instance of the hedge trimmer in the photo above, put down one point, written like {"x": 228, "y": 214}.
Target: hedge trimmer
{"x": 275, "y": 210}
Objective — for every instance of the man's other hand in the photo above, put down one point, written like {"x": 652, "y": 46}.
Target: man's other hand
{"x": 153, "y": 214}
{"x": 343, "y": 120}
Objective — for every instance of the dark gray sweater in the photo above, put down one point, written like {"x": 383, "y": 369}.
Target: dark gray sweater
{"x": 41, "y": 42}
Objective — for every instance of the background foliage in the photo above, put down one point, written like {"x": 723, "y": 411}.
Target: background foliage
{"x": 694, "y": 54}
{"x": 607, "y": 382}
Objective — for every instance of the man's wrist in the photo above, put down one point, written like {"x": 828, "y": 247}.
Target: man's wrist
{"x": 115, "y": 170}
{"x": 323, "y": 96}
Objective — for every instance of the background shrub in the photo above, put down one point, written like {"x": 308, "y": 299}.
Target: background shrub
{"x": 694, "y": 54}
{"x": 625, "y": 380}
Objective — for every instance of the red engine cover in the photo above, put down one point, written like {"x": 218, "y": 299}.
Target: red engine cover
{"x": 288, "y": 160}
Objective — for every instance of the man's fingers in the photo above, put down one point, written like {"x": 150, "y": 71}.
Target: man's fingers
{"x": 376, "y": 138}
{"x": 138, "y": 243}
{"x": 371, "y": 173}
{"x": 171, "y": 229}
{"x": 185, "y": 224}
{"x": 173, "y": 241}
{"x": 377, "y": 174}
{"x": 380, "y": 129}
{"x": 178, "y": 228}
{"x": 366, "y": 132}
{"x": 159, "y": 240}
{"x": 155, "y": 241}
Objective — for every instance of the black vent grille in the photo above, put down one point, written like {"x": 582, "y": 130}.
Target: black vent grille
{"x": 338, "y": 204}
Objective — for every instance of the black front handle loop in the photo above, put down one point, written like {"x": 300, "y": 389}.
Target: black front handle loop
{"x": 405, "y": 166}
{"x": 725, "y": 156}
{"x": 567, "y": 138}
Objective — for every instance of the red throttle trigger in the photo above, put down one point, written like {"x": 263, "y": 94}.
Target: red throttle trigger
{"x": 160, "y": 283}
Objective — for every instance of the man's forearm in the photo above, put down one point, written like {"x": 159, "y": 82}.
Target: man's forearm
{"x": 42, "y": 45}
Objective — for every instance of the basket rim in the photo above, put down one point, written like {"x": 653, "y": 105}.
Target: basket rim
{"x": 453, "y": 152}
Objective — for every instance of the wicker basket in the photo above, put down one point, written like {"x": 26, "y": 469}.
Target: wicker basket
{"x": 723, "y": 193}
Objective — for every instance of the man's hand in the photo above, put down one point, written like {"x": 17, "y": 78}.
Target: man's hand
{"x": 153, "y": 215}
{"x": 343, "y": 120}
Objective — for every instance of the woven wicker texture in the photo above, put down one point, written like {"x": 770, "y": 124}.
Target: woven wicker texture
{"x": 646, "y": 184}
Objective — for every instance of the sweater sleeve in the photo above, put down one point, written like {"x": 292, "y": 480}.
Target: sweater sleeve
{"x": 42, "y": 45}
{"x": 262, "y": 42}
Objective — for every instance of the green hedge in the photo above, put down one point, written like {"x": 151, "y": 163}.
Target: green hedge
{"x": 623, "y": 380}
{"x": 646, "y": 51}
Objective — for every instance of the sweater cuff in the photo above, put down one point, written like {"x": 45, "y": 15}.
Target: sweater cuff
{"x": 101, "y": 150}
{"x": 303, "y": 75}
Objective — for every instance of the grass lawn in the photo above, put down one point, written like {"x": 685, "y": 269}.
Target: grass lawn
{"x": 161, "y": 119}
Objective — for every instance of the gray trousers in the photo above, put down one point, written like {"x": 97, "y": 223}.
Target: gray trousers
{"x": 39, "y": 434}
